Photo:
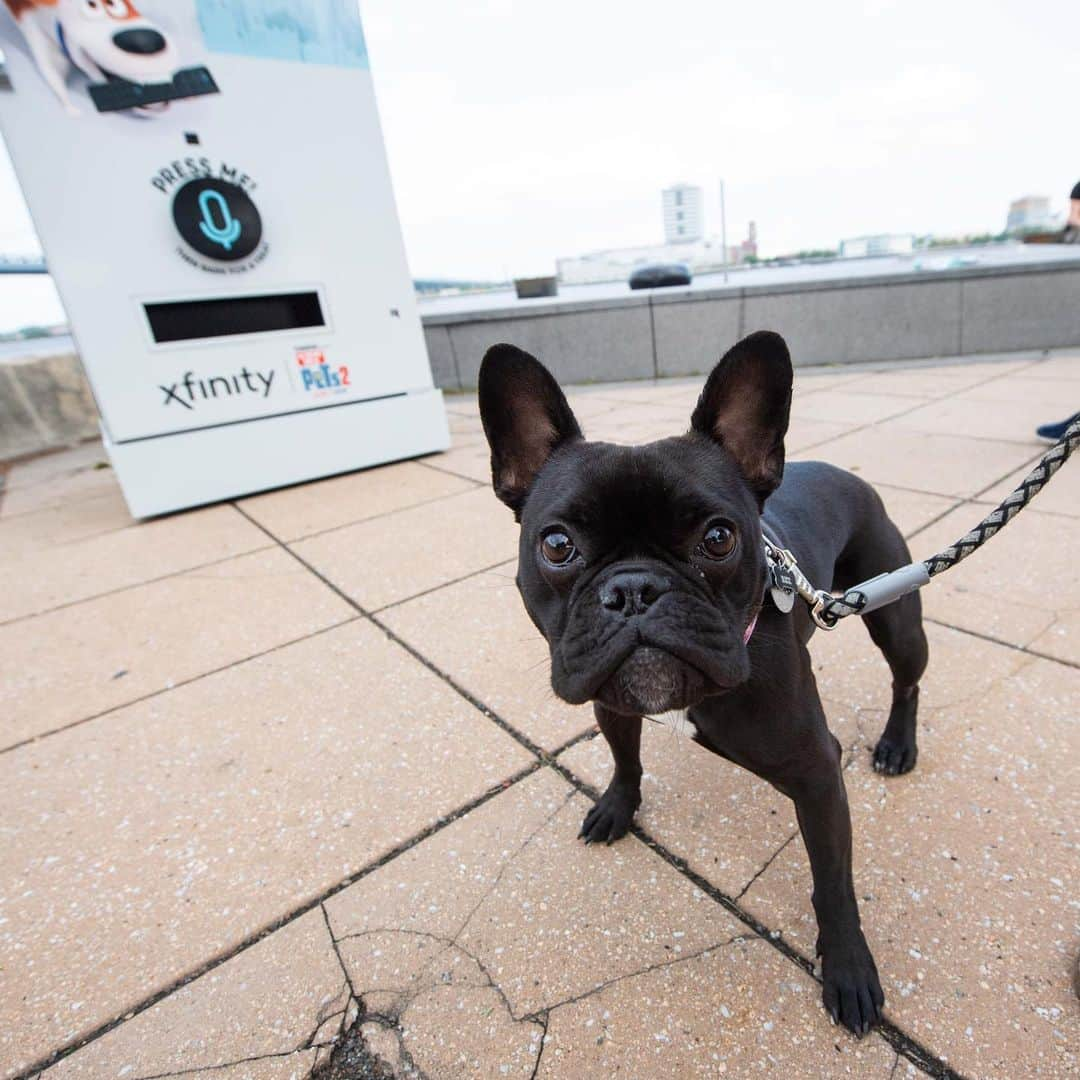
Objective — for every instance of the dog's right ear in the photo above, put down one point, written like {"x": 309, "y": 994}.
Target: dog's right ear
{"x": 526, "y": 419}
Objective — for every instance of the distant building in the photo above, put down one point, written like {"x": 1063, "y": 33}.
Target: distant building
{"x": 748, "y": 248}
{"x": 1029, "y": 214}
{"x": 858, "y": 247}
{"x": 684, "y": 213}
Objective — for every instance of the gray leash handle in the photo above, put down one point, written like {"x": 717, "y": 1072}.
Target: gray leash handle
{"x": 827, "y": 610}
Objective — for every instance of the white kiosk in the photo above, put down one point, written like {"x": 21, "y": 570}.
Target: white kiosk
{"x": 209, "y": 183}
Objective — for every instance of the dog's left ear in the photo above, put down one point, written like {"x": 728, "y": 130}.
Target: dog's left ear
{"x": 745, "y": 407}
{"x": 526, "y": 419}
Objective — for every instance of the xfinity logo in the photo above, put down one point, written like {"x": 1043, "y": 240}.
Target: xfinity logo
{"x": 189, "y": 391}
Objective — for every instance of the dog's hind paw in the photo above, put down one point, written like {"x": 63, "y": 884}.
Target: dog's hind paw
{"x": 894, "y": 756}
{"x": 610, "y": 818}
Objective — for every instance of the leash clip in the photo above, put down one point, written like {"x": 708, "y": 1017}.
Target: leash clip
{"x": 818, "y": 612}
{"x": 784, "y": 568}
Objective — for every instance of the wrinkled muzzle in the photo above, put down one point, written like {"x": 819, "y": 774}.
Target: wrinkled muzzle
{"x": 668, "y": 656}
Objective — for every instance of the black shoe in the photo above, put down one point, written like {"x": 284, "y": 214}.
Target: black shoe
{"x": 1053, "y": 432}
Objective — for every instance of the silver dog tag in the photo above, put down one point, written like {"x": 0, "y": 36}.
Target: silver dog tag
{"x": 783, "y": 599}
{"x": 783, "y": 588}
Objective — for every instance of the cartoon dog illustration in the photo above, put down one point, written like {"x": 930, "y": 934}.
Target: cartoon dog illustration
{"x": 107, "y": 40}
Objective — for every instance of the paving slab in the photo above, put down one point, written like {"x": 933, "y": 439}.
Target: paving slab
{"x": 1060, "y": 496}
{"x": 849, "y": 408}
{"x": 55, "y": 466}
{"x": 1058, "y": 366}
{"x": 506, "y": 922}
{"x": 305, "y": 509}
{"x": 725, "y": 822}
{"x": 1027, "y": 386}
{"x": 34, "y": 582}
{"x": 595, "y": 404}
{"x": 56, "y": 479}
{"x": 850, "y": 671}
{"x": 967, "y": 869}
{"x": 937, "y": 380}
{"x": 1060, "y": 639}
{"x": 912, "y": 511}
{"x": 806, "y": 434}
{"x": 274, "y": 1010}
{"x": 471, "y": 462}
{"x": 137, "y": 847}
{"x": 733, "y": 1011}
{"x": 62, "y": 667}
{"x": 142, "y": 845}
{"x": 1013, "y": 420}
{"x": 494, "y": 652}
{"x": 395, "y": 557}
{"x": 67, "y": 523}
{"x": 889, "y": 453}
{"x": 824, "y": 380}
{"x": 1016, "y": 587}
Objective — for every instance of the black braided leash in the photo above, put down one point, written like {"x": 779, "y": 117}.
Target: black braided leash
{"x": 828, "y": 610}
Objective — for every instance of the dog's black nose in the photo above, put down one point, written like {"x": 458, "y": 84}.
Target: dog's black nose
{"x": 143, "y": 41}
{"x": 632, "y": 593}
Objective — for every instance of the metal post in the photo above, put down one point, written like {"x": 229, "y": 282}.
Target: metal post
{"x": 723, "y": 228}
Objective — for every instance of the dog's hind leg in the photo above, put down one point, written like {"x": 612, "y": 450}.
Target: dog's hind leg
{"x": 897, "y": 630}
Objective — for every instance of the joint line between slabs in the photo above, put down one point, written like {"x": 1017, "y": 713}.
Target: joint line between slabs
{"x": 1001, "y": 641}
{"x": 175, "y": 686}
{"x": 31, "y": 1071}
{"x": 900, "y": 1041}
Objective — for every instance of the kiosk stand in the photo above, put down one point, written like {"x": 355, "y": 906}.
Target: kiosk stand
{"x": 210, "y": 186}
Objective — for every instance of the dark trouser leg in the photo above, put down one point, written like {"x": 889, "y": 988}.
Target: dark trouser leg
{"x": 611, "y": 816}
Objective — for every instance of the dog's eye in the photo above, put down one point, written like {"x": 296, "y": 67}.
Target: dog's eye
{"x": 93, "y": 8}
{"x": 557, "y": 548}
{"x": 118, "y": 9}
{"x": 718, "y": 541}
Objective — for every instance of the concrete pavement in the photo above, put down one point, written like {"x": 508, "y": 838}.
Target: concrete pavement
{"x": 283, "y": 785}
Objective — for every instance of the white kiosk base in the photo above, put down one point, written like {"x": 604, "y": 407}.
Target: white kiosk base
{"x": 174, "y": 472}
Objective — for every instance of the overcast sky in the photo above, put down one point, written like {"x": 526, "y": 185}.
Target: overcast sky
{"x": 519, "y": 132}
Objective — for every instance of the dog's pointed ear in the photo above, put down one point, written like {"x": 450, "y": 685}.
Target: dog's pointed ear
{"x": 745, "y": 407}
{"x": 526, "y": 419}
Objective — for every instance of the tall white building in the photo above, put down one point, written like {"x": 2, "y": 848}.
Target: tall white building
{"x": 684, "y": 213}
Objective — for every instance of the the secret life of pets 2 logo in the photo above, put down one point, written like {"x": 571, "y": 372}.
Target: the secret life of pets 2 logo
{"x": 319, "y": 378}
{"x": 214, "y": 213}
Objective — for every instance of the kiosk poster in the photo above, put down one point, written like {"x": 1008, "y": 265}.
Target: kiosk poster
{"x": 209, "y": 183}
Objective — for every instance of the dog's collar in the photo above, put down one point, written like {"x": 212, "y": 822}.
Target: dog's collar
{"x": 62, "y": 38}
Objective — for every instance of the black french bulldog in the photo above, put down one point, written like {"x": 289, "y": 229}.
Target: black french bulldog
{"x": 643, "y": 567}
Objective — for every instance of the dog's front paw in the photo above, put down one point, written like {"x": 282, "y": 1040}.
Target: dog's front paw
{"x": 852, "y": 992}
{"x": 610, "y": 818}
{"x": 895, "y": 755}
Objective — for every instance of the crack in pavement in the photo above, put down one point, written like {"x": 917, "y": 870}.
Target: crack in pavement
{"x": 660, "y": 965}
{"x": 765, "y": 866}
{"x": 195, "y": 1070}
